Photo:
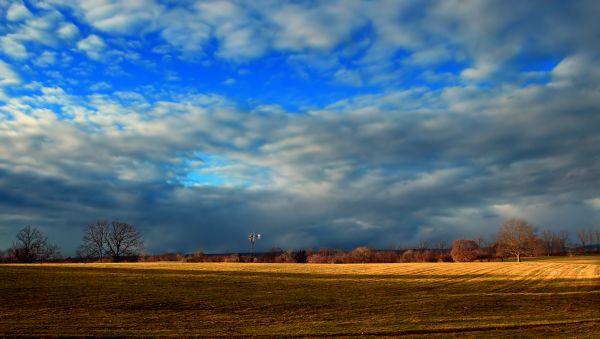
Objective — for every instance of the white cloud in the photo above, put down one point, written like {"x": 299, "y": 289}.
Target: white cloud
{"x": 348, "y": 77}
{"x": 480, "y": 72}
{"x": 322, "y": 27}
{"x": 12, "y": 48}
{"x": 8, "y": 76}
{"x": 93, "y": 46}
{"x": 18, "y": 12}
{"x": 507, "y": 210}
{"x": 229, "y": 82}
{"x": 185, "y": 32}
{"x": 100, "y": 86}
{"x": 576, "y": 70}
{"x": 68, "y": 31}
{"x": 356, "y": 223}
{"x": 122, "y": 17}
{"x": 46, "y": 59}
{"x": 41, "y": 29}
{"x": 240, "y": 35}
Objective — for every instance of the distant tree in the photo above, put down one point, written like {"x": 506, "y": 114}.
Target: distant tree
{"x": 95, "y": 240}
{"x": 323, "y": 256}
{"x": 272, "y": 254}
{"x": 425, "y": 256}
{"x": 300, "y": 256}
{"x": 441, "y": 245}
{"x": 408, "y": 256}
{"x": 539, "y": 247}
{"x": 500, "y": 251}
{"x": 561, "y": 241}
{"x": 123, "y": 240}
{"x": 464, "y": 250}
{"x": 387, "y": 256}
{"x": 423, "y": 244}
{"x": 590, "y": 235}
{"x": 517, "y": 238}
{"x": 582, "y": 236}
{"x": 361, "y": 255}
{"x": 31, "y": 246}
{"x": 233, "y": 258}
{"x": 549, "y": 239}
{"x": 198, "y": 256}
{"x": 480, "y": 240}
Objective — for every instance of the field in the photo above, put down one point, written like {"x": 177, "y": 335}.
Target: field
{"x": 550, "y": 298}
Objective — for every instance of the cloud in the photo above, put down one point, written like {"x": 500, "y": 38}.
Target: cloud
{"x": 575, "y": 70}
{"x": 413, "y": 121}
{"x": 18, "y": 12}
{"x": 68, "y": 31}
{"x": 100, "y": 86}
{"x": 240, "y": 36}
{"x": 45, "y": 59}
{"x": 93, "y": 45}
{"x": 376, "y": 170}
{"x": 324, "y": 27}
{"x": 229, "y": 82}
{"x": 185, "y": 32}
{"x": 391, "y": 32}
{"x": 8, "y": 76}
{"x": 12, "y": 47}
{"x": 130, "y": 17}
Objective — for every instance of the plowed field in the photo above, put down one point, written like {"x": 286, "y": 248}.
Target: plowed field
{"x": 550, "y": 298}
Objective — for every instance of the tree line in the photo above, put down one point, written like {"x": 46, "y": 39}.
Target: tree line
{"x": 114, "y": 241}
{"x": 103, "y": 240}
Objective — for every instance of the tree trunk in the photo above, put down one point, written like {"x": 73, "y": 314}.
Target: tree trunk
{"x": 518, "y": 257}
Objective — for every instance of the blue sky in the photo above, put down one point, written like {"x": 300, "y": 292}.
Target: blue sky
{"x": 317, "y": 123}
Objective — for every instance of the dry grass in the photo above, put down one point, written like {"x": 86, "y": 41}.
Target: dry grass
{"x": 550, "y": 298}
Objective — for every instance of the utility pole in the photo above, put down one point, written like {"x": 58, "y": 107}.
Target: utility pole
{"x": 252, "y": 237}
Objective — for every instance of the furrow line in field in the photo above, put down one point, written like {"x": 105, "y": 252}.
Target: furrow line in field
{"x": 428, "y": 331}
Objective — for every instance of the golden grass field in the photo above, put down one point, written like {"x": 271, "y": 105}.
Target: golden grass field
{"x": 547, "y": 298}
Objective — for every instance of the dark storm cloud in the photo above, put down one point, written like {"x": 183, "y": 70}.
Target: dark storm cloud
{"x": 338, "y": 179}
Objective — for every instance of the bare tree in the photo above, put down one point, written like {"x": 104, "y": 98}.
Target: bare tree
{"x": 549, "y": 239}
{"x": 423, "y": 244}
{"x": 31, "y": 245}
{"x": 516, "y": 237}
{"x": 95, "y": 240}
{"x": 441, "y": 245}
{"x": 123, "y": 240}
{"x": 480, "y": 241}
{"x": 561, "y": 239}
{"x": 582, "y": 236}
{"x": 590, "y": 235}
{"x": 464, "y": 250}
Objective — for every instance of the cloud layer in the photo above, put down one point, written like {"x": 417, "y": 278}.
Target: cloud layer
{"x": 317, "y": 124}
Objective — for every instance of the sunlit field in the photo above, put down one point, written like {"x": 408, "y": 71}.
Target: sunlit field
{"x": 551, "y": 298}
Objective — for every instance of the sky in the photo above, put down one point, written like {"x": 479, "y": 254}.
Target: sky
{"x": 316, "y": 123}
